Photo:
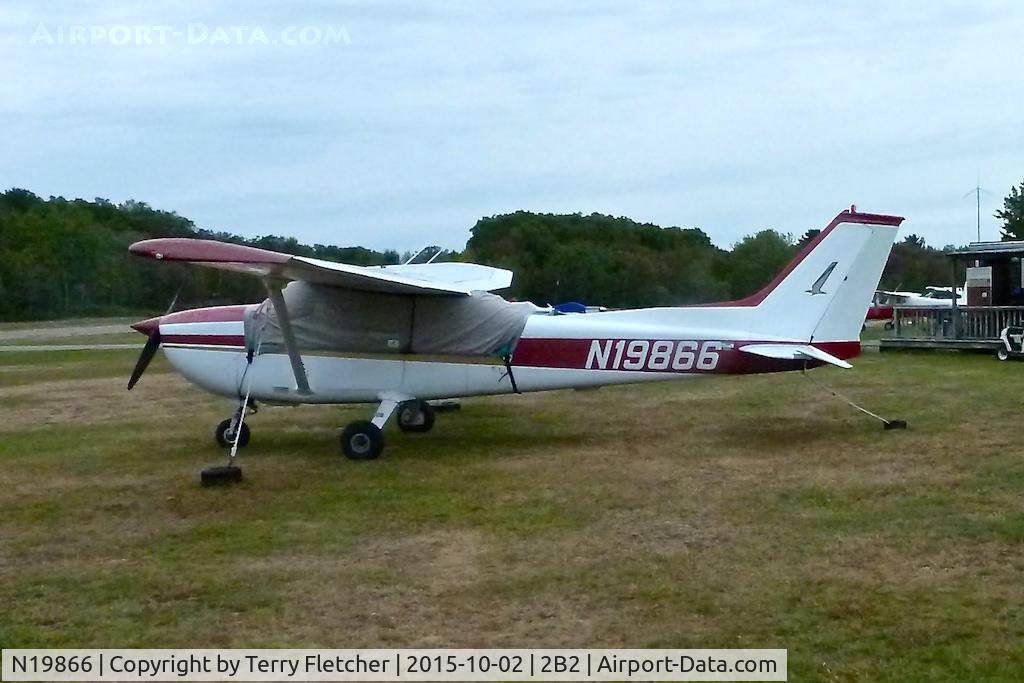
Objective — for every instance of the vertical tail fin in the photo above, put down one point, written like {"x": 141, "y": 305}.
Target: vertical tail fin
{"x": 825, "y": 292}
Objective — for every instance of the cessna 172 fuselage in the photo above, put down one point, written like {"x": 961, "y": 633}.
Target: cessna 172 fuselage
{"x": 401, "y": 335}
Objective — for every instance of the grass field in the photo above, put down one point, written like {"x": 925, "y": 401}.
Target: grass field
{"x": 736, "y": 512}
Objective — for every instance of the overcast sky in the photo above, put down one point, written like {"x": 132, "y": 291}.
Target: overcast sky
{"x": 406, "y": 122}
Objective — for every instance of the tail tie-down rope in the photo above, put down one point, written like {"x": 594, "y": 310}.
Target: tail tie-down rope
{"x": 886, "y": 424}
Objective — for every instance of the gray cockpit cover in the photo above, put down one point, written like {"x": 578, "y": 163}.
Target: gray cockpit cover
{"x": 328, "y": 318}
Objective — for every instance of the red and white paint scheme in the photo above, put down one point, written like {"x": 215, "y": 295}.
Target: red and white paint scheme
{"x": 810, "y": 314}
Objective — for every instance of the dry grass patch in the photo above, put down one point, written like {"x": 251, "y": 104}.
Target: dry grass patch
{"x": 741, "y": 512}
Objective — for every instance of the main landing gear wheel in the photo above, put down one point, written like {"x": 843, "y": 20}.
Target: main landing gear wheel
{"x": 415, "y": 416}
{"x": 226, "y": 436}
{"x": 362, "y": 440}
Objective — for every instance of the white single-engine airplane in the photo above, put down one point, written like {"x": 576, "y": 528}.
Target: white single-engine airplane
{"x": 933, "y": 297}
{"x": 401, "y": 335}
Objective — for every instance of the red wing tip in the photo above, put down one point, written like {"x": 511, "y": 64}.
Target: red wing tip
{"x": 147, "y": 248}
{"x": 139, "y": 249}
{"x": 205, "y": 251}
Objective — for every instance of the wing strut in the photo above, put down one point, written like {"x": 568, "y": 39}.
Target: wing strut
{"x": 508, "y": 372}
{"x": 298, "y": 369}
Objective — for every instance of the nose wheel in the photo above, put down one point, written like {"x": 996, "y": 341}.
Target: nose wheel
{"x": 225, "y": 434}
{"x": 226, "y": 431}
{"x": 233, "y": 434}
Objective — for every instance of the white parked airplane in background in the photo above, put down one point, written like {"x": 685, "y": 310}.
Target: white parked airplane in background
{"x": 401, "y": 335}
{"x": 933, "y": 297}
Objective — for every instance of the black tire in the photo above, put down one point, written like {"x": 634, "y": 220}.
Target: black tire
{"x": 1002, "y": 353}
{"x": 415, "y": 416}
{"x": 225, "y": 438}
{"x": 362, "y": 440}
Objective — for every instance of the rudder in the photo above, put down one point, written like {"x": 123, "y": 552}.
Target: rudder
{"x": 824, "y": 293}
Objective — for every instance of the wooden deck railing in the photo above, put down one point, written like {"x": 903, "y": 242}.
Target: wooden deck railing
{"x": 965, "y": 322}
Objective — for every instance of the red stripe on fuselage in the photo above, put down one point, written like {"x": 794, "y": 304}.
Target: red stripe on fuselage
{"x": 212, "y": 314}
{"x": 574, "y": 354}
{"x": 205, "y": 339}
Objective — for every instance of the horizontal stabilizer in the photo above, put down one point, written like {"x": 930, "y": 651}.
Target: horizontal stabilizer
{"x": 794, "y": 352}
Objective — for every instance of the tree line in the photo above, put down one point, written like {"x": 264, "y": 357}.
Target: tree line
{"x": 68, "y": 258}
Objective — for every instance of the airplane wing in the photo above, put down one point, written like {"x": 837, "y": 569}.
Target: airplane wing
{"x": 794, "y": 352}
{"x": 444, "y": 279}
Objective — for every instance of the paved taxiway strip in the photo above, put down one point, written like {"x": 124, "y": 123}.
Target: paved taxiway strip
{"x": 68, "y": 331}
{"x": 69, "y": 347}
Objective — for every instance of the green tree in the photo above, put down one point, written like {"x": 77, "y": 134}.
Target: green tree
{"x": 597, "y": 259}
{"x": 1012, "y": 214}
{"x": 62, "y": 258}
{"x": 807, "y": 238}
{"x": 913, "y": 265}
{"x": 755, "y": 260}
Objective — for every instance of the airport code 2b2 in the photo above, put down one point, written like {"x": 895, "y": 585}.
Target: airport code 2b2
{"x": 391, "y": 665}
